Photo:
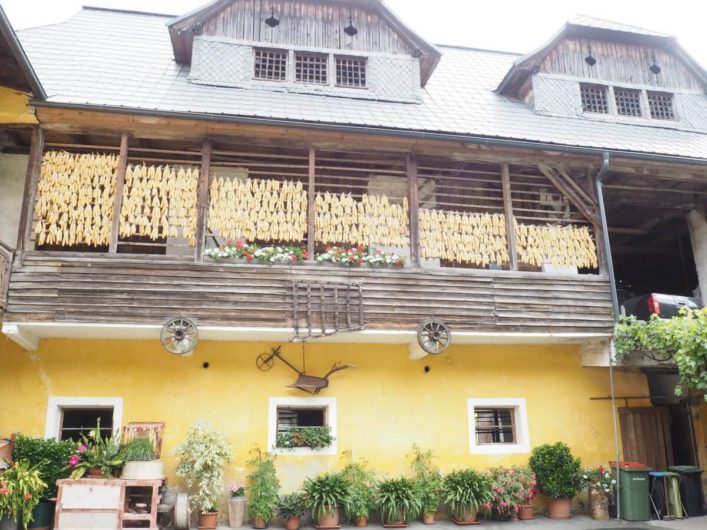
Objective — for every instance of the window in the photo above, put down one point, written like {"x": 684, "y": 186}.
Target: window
{"x": 351, "y": 72}
{"x": 271, "y": 64}
{"x": 628, "y": 102}
{"x": 69, "y": 417}
{"x": 594, "y": 99}
{"x": 311, "y": 68}
{"x": 286, "y": 414}
{"x": 661, "y": 105}
{"x": 498, "y": 426}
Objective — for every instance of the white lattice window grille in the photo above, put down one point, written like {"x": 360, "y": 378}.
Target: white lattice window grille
{"x": 661, "y": 105}
{"x": 311, "y": 68}
{"x": 270, "y": 65}
{"x": 628, "y": 102}
{"x": 351, "y": 72}
{"x": 594, "y": 99}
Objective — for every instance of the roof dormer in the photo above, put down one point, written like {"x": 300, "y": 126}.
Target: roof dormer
{"x": 352, "y": 48}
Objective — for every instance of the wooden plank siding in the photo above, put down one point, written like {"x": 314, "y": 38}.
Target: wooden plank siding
{"x": 130, "y": 290}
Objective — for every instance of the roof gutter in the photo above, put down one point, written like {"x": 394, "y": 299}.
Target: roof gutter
{"x": 21, "y": 57}
{"x": 384, "y": 131}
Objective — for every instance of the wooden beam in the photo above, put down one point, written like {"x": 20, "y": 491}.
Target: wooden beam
{"x": 508, "y": 208}
{"x": 414, "y": 210}
{"x": 311, "y": 212}
{"x": 202, "y": 199}
{"x": 27, "y": 216}
{"x": 118, "y": 198}
{"x": 582, "y": 193}
{"x": 571, "y": 195}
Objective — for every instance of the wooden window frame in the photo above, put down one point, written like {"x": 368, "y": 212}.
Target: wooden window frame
{"x": 521, "y": 443}
{"x": 623, "y": 94}
{"x": 301, "y": 403}
{"x": 309, "y": 62}
{"x": 274, "y": 51}
{"x": 362, "y": 73}
{"x": 592, "y": 90}
{"x": 657, "y": 102}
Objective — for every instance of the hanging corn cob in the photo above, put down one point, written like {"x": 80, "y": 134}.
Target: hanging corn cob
{"x": 373, "y": 220}
{"x": 563, "y": 246}
{"x": 462, "y": 237}
{"x": 159, "y": 202}
{"x": 75, "y": 195}
{"x": 257, "y": 209}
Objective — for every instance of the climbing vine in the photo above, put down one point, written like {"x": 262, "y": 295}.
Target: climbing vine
{"x": 682, "y": 338}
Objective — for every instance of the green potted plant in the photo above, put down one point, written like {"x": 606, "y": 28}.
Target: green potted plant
{"x": 428, "y": 480}
{"x": 327, "y": 494}
{"x": 96, "y": 456}
{"x": 263, "y": 490}
{"x": 559, "y": 477}
{"x": 201, "y": 460}
{"x": 363, "y": 484}
{"x": 465, "y": 491}
{"x": 21, "y": 489}
{"x": 49, "y": 456}
{"x": 398, "y": 501}
{"x": 236, "y": 504}
{"x": 291, "y": 508}
{"x": 140, "y": 462}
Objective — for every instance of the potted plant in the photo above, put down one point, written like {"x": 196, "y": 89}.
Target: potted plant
{"x": 96, "y": 456}
{"x": 312, "y": 437}
{"x": 363, "y": 484}
{"x": 428, "y": 480}
{"x": 398, "y": 501}
{"x": 49, "y": 456}
{"x": 291, "y": 508}
{"x": 559, "y": 477}
{"x": 263, "y": 490}
{"x": 600, "y": 484}
{"x": 327, "y": 494}
{"x": 201, "y": 459}
{"x": 510, "y": 489}
{"x": 21, "y": 489}
{"x": 140, "y": 462}
{"x": 465, "y": 491}
{"x": 236, "y": 505}
{"x": 530, "y": 488}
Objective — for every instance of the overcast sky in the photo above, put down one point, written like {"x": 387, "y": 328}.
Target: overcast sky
{"x": 510, "y": 25}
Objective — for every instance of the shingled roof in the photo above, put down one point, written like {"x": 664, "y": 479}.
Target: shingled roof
{"x": 124, "y": 60}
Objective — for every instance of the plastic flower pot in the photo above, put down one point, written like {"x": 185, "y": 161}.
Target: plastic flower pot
{"x": 43, "y": 516}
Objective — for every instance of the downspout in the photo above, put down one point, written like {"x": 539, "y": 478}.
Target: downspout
{"x": 615, "y": 303}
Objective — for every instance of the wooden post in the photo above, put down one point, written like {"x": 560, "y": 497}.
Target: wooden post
{"x": 203, "y": 197}
{"x": 508, "y": 207}
{"x": 414, "y": 211}
{"x": 118, "y": 197}
{"x": 311, "y": 213}
{"x": 27, "y": 216}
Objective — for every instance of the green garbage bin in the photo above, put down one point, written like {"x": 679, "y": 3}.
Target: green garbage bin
{"x": 634, "y": 490}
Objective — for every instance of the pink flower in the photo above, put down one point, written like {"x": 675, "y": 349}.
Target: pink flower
{"x": 83, "y": 449}
{"x": 4, "y": 491}
{"x": 73, "y": 460}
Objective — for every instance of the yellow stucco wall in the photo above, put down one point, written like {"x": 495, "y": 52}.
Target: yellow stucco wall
{"x": 384, "y": 406}
{"x": 15, "y": 107}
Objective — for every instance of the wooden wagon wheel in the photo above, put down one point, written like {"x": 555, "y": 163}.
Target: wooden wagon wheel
{"x": 433, "y": 336}
{"x": 179, "y": 336}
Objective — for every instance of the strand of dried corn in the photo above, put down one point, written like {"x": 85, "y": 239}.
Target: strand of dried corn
{"x": 373, "y": 220}
{"x": 75, "y": 197}
{"x": 471, "y": 238}
{"x": 258, "y": 209}
{"x": 159, "y": 201}
{"x": 563, "y": 246}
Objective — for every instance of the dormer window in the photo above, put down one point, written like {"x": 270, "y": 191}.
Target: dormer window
{"x": 351, "y": 72}
{"x": 270, "y": 65}
{"x": 661, "y": 105}
{"x": 594, "y": 98}
{"x": 311, "y": 68}
{"x": 628, "y": 102}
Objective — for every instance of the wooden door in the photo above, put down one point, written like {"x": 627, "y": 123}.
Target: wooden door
{"x": 645, "y": 432}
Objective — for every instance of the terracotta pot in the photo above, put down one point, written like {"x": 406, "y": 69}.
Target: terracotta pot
{"x": 467, "y": 515}
{"x": 362, "y": 522}
{"x": 208, "y": 520}
{"x": 258, "y": 522}
{"x": 428, "y": 518}
{"x": 95, "y": 472}
{"x": 236, "y": 511}
{"x": 293, "y": 523}
{"x": 599, "y": 502}
{"x": 526, "y": 512}
{"x": 329, "y": 519}
{"x": 559, "y": 508}
{"x": 400, "y": 520}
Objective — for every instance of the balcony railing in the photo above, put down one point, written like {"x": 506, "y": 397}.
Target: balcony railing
{"x": 6, "y": 255}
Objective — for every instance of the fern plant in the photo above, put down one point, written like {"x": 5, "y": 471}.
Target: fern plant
{"x": 465, "y": 490}
{"x": 326, "y": 492}
{"x": 398, "y": 500}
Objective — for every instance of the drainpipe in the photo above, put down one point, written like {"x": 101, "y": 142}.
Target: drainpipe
{"x": 615, "y": 303}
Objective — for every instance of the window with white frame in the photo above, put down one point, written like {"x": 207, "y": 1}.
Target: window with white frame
{"x": 70, "y": 417}
{"x": 498, "y": 426}
{"x": 293, "y": 419}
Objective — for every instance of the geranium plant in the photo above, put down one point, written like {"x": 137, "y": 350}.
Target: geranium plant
{"x": 21, "y": 489}
{"x": 312, "y": 437}
{"x": 359, "y": 255}
{"x": 511, "y": 487}
{"x": 280, "y": 254}
{"x": 232, "y": 250}
{"x": 96, "y": 452}
{"x": 600, "y": 479}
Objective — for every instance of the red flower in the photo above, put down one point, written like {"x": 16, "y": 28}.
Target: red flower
{"x": 28, "y": 496}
